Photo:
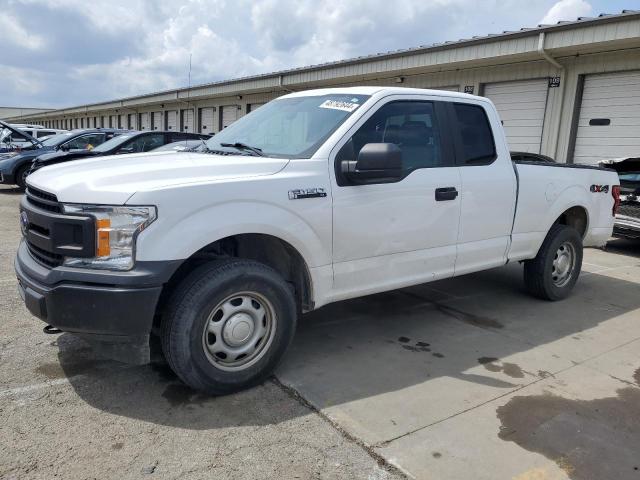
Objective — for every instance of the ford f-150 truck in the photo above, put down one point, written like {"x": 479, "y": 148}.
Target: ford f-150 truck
{"x": 317, "y": 197}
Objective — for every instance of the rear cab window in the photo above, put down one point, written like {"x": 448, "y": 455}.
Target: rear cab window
{"x": 475, "y": 144}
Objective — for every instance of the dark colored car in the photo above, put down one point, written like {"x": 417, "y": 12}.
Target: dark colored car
{"x": 130, "y": 142}
{"x": 531, "y": 157}
{"x": 182, "y": 146}
{"x": 627, "y": 223}
{"x": 15, "y": 166}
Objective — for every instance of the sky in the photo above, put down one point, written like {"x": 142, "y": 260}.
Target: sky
{"x": 60, "y": 53}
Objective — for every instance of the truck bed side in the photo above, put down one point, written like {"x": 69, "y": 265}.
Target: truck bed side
{"x": 549, "y": 192}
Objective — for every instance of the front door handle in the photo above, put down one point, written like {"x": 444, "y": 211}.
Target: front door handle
{"x": 446, "y": 193}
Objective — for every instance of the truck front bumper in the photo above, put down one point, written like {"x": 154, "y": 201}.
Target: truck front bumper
{"x": 113, "y": 311}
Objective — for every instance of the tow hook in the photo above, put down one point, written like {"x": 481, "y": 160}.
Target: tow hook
{"x": 51, "y": 330}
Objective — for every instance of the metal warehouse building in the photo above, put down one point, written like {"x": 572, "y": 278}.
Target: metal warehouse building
{"x": 570, "y": 90}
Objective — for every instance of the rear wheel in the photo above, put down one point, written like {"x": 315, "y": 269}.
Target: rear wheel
{"x": 228, "y": 325}
{"x": 552, "y": 274}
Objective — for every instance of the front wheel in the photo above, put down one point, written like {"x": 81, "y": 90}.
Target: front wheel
{"x": 21, "y": 176}
{"x": 552, "y": 274}
{"x": 228, "y": 325}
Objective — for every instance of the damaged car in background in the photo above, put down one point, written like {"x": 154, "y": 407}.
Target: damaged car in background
{"x": 627, "y": 222}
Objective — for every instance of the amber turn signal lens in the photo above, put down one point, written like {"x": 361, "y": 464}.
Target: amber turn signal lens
{"x": 103, "y": 248}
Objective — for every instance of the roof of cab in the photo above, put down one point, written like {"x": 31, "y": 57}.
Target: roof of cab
{"x": 371, "y": 90}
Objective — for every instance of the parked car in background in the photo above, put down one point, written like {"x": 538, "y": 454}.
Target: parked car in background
{"x": 525, "y": 157}
{"x": 182, "y": 146}
{"x": 15, "y": 166}
{"x": 38, "y": 131}
{"x": 13, "y": 139}
{"x": 130, "y": 142}
{"x": 627, "y": 222}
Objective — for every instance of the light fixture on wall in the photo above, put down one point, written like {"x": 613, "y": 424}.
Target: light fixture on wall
{"x": 239, "y": 97}
{"x": 399, "y": 80}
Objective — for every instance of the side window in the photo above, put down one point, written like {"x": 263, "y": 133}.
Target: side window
{"x": 143, "y": 143}
{"x": 411, "y": 125}
{"x": 476, "y": 145}
{"x": 85, "y": 142}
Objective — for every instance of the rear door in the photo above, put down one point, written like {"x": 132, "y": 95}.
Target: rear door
{"x": 488, "y": 187}
{"x": 391, "y": 234}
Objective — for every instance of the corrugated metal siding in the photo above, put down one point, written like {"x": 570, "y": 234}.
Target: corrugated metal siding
{"x": 521, "y": 106}
{"x": 616, "y": 97}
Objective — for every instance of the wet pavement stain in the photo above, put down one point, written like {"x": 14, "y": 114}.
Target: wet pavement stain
{"x": 587, "y": 439}
{"x": 512, "y": 370}
{"x": 117, "y": 446}
{"x": 404, "y": 339}
{"x": 438, "y": 355}
{"x": 471, "y": 319}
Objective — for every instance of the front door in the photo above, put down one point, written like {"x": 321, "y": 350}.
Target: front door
{"x": 388, "y": 235}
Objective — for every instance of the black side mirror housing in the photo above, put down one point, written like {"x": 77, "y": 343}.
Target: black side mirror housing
{"x": 376, "y": 163}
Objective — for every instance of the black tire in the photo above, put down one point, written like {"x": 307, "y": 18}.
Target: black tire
{"x": 21, "y": 176}
{"x": 194, "y": 306}
{"x": 541, "y": 278}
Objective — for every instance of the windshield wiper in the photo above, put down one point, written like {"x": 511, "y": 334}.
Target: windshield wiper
{"x": 244, "y": 146}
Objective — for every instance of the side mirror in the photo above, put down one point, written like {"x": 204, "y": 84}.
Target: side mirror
{"x": 376, "y": 163}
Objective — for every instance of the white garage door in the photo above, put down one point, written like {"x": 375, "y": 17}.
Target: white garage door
{"x": 207, "y": 120}
{"x": 172, "y": 120}
{"x": 123, "y": 121}
{"x": 255, "y": 106}
{"x": 113, "y": 121}
{"x": 145, "y": 121}
{"x": 229, "y": 115}
{"x": 187, "y": 120}
{"x": 157, "y": 120}
{"x": 521, "y": 106}
{"x": 609, "y": 121}
{"x": 132, "y": 121}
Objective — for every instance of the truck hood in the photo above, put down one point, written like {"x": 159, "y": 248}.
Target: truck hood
{"x": 114, "y": 179}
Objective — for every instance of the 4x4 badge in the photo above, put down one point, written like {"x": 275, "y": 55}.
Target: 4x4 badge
{"x": 300, "y": 193}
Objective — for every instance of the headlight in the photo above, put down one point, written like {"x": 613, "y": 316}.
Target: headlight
{"x": 116, "y": 231}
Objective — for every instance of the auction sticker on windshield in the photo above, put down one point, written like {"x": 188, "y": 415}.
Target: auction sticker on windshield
{"x": 338, "y": 105}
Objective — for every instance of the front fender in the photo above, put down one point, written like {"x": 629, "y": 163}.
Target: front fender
{"x": 176, "y": 237}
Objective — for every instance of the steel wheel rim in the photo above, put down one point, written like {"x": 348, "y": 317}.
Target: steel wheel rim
{"x": 239, "y": 331}
{"x": 563, "y": 265}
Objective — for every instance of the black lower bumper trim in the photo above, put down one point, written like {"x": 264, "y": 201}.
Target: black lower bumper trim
{"x": 115, "y": 319}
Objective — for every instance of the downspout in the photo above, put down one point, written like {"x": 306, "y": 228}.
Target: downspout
{"x": 563, "y": 81}
{"x": 281, "y": 85}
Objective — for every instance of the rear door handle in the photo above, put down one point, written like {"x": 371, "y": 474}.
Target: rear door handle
{"x": 446, "y": 193}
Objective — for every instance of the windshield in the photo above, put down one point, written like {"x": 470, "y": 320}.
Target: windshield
{"x": 114, "y": 142}
{"x": 290, "y": 127}
{"x": 57, "y": 139}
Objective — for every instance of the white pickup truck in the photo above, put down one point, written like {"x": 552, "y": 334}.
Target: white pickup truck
{"x": 317, "y": 197}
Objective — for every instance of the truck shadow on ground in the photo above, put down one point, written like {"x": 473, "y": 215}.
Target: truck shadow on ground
{"x": 380, "y": 344}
